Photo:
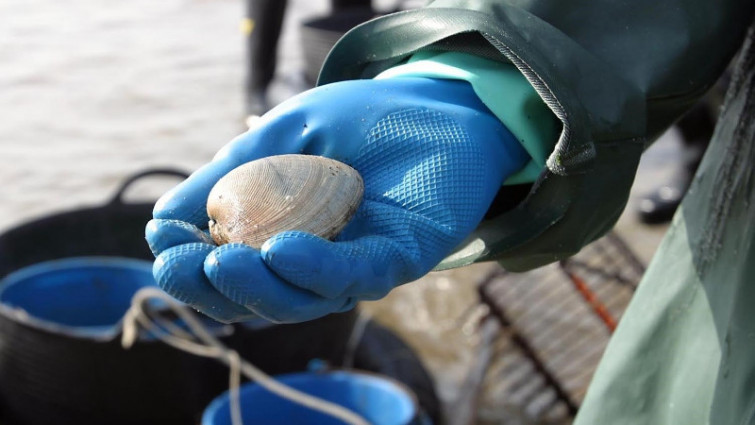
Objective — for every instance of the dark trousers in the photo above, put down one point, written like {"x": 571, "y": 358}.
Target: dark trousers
{"x": 266, "y": 17}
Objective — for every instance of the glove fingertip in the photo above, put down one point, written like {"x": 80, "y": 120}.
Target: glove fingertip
{"x": 163, "y": 234}
{"x": 293, "y": 254}
{"x": 236, "y": 270}
{"x": 312, "y": 263}
{"x": 231, "y": 256}
{"x": 177, "y": 270}
{"x": 239, "y": 273}
{"x": 174, "y": 209}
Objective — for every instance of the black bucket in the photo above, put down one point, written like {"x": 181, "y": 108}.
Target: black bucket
{"x": 60, "y": 356}
{"x": 49, "y": 376}
{"x": 320, "y": 34}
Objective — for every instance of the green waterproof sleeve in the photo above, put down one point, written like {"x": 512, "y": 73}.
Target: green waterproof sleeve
{"x": 616, "y": 74}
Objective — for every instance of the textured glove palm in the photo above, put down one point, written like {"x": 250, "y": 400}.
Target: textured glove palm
{"x": 432, "y": 158}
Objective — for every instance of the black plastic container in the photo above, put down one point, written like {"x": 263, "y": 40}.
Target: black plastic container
{"x": 48, "y": 376}
{"x": 52, "y": 377}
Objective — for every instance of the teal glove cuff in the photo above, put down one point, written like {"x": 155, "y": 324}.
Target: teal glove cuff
{"x": 505, "y": 91}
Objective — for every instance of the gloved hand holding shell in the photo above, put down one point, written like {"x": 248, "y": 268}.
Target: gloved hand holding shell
{"x": 261, "y": 198}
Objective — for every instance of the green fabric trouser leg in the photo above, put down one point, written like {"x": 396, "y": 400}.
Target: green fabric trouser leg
{"x": 684, "y": 352}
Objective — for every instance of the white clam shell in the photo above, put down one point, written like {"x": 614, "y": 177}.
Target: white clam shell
{"x": 261, "y": 198}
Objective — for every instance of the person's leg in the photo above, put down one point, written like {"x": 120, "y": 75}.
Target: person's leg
{"x": 264, "y": 23}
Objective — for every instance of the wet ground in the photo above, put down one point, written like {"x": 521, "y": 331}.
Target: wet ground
{"x": 93, "y": 92}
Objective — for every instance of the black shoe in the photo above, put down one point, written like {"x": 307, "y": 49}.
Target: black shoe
{"x": 660, "y": 205}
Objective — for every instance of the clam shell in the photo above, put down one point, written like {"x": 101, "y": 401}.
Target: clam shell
{"x": 261, "y": 198}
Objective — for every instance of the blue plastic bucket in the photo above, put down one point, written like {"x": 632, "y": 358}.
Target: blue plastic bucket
{"x": 379, "y": 400}
{"x": 82, "y": 296}
{"x": 61, "y": 360}
{"x": 64, "y": 372}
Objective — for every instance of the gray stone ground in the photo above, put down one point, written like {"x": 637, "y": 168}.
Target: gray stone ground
{"x": 94, "y": 91}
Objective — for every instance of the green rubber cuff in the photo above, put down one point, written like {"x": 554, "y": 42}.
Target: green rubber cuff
{"x": 505, "y": 91}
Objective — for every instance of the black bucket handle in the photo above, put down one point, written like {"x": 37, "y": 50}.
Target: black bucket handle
{"x": 117, "y": 199}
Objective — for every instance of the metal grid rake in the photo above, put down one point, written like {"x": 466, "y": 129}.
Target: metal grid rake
{"x": 551, "y": 328}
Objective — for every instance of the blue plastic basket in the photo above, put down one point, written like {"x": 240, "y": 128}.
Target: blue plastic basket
{"x": 84, "y": 296}
{"x": 68, "y": 367}
{"x": 60, "y": 355}
{"x": 380, "y": 400}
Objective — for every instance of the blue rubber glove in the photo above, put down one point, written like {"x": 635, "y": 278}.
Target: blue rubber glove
{"x": 432, "y": 158}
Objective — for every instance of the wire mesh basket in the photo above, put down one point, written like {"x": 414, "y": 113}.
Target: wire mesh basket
{"x": 551, "y": 326}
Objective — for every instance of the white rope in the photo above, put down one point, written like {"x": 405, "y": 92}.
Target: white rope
{"x": 357, "y": 333}
{"x": 199, "y": 341}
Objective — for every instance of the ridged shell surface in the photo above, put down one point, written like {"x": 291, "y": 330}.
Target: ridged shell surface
{"x": 261, "y": 198}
